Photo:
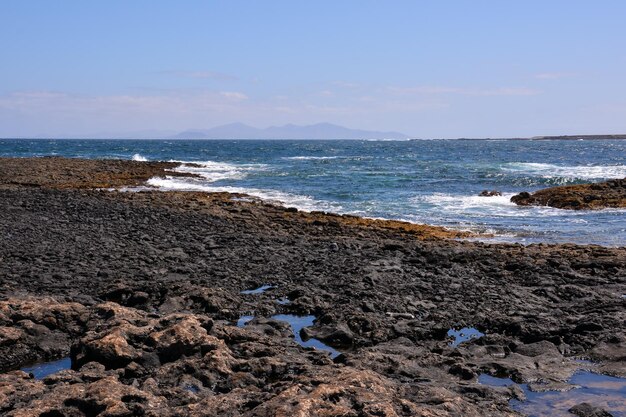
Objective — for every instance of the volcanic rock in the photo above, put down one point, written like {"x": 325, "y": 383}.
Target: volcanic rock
{"x": 609, "y": 194}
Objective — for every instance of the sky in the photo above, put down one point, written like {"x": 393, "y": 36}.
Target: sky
{"x": 430, "y": 69}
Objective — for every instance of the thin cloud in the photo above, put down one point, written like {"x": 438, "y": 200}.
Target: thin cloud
{"x": 43, "y": 102}
{"x": 554, "y": 75}
{"x": 234, "y": 95}
{"x": 437, "y": 90}
{"x": 213, "y": 75}
{"x": 345, "y": 84}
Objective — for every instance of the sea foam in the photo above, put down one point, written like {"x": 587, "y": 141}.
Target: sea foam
{"x": 302, "y": 202}
{"x": 575, "y": 172}
{"x": 308, "y": 158}
{"x": 498, "y": 206}
{"x": 212, "y": 171}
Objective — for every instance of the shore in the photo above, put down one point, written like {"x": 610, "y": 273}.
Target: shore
{"x": 143, "y": 290}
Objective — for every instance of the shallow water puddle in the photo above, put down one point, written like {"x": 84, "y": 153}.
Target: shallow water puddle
{"x": 259, "y": 290}
{"x": 42, "y": 370}
{"x": 602, "y": 391}
{"x": 191, "y": 388}
{"x": 243, "y": 320}
{"x": 298, "y": 323}
{"x": 283, "y": 301}
{"x": 463, "y": 335}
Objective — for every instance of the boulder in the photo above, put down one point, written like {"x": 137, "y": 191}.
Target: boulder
{"x": 490, "y": 193}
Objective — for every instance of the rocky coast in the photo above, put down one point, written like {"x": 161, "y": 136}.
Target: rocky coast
{"x": 143, "y": 292}
{"x": 608, "y": 194}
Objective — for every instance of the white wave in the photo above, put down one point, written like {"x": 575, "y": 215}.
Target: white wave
{"x": 138, "y": 157}
{"x": 574, "y": 172}
{"x": 307, "y": 158}
{"x": 212, "y": 171}
{"x": 499, "y": 206}
{"x": 301, "y": 202}
{"x": 392, "y": 140}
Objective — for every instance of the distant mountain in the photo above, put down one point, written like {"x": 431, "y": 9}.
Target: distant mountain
{"x": 289, "y": 131}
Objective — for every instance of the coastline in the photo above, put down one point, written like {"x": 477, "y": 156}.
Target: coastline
{"x": 594, "y": 196}
{"x": 145, "y": 288}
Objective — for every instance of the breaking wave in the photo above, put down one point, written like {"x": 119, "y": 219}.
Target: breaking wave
{"x": 301, "y": 202}
{"x": 308, "y": 158}
{"x": 580, "y": 172}
{"x": 212, "y": 171}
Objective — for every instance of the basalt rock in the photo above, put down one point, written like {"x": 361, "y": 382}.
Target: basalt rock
{"x": 66, "y": 173}
{"x": 610, "y": 194}
{"x": 488, "y": 193}
{"x": 588, "y": 410}
{"x": 153, "y": 332}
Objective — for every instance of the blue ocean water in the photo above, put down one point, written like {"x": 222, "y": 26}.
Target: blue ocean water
{"x": 424, "y": 181}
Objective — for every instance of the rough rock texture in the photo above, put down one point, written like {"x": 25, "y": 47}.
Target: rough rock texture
{"x": 63, "y": 173}
{"x": 577, "y": 197}
{"x": 143, "y": 290}
{"x": 488, "y": 193}
{"x": 587, "y": 410}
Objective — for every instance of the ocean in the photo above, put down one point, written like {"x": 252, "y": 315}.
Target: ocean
{"x": 423, "y": 181}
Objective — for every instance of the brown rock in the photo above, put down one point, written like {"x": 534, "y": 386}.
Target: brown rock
{"x": 10, "y": 335}
{"x": 106, "y": 397}
{"x": 185, "y": 337}
{"x": 577, "y": 197}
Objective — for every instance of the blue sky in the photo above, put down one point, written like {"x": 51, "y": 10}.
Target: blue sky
{"x": 425, "y": 68}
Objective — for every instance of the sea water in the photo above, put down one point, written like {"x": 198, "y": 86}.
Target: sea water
{"x": 424, "y": 181}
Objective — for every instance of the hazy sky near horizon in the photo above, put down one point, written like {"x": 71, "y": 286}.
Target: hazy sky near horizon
{"x": 425, "y": 68}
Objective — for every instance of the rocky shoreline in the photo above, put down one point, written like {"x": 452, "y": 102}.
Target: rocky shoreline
{"x": 143, "y": 291}
{"x": 609, "y": 194}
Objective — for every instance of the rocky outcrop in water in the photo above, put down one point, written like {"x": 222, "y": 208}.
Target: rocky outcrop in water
{"x": 609, "y": 194}
{"x": 490, "y": 193}
{"x": 74, "y": 173}
{"x": 144, "y": 290}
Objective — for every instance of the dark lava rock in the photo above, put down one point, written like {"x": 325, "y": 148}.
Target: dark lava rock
{"x": 145, "y": 289}
{"x": 577, "y": 197}
{"x": 588, "y": 410}
{"x": 488, "y": 193}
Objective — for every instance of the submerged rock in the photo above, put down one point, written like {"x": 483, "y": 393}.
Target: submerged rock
{"x": 588, "y": 410}
{"x": 488, "y": 193}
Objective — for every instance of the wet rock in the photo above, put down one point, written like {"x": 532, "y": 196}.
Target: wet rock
{"x": 490, "y": 193}
{"x": 588, "y": 410}
{"x": 577, "y": 197}
{"x": 338, "y": 335}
